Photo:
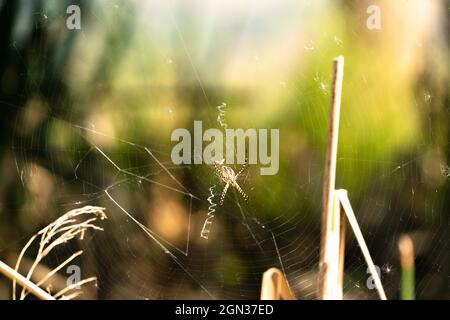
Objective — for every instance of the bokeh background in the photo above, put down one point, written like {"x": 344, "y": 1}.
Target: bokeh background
{"x": 79, "y": 106}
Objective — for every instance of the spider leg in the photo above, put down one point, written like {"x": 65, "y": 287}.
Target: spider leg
{"x": 217, "y": 168}
{"x": 238, "y": 188}
{"x": 224, "y": 192}
{"x": 242, "y": 170}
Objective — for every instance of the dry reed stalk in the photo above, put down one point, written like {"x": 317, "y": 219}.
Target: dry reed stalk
{"x": 24, "y": 282}
{"x": 58, "y": 280}
{"x": 274, "y": 286}
{"x": 332, "y": 246}
{"x": 345, "y": 202}
{"x": 71, "y": 225}
{"x": 340, "y": 216}
{"x": 327, "y": 271}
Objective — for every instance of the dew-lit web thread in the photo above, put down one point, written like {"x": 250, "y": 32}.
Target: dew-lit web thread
{"x": 221, "y": 117}
{"x": 445, "y": 171}
{"x": 159, "y": 243}
{"x": 258, "y": 243}
{"x": 167, "y": 171}
{"x": 206, "y": 229}
{"x": 281, "y": 261}
{"x": 162, "y": 243}
{"x": 278, "y": 253}
{"x": 143, "y": 177}
{"x": 184, "y": 252}
{"x": 245, "y": 222}
{"x": 188, "y": 55}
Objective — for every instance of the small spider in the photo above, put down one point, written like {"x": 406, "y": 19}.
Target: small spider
{"x": 387, "y": 268}
{"x": 227, "y": 175}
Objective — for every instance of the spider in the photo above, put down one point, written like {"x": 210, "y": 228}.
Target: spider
{"x": 227, "y": 175}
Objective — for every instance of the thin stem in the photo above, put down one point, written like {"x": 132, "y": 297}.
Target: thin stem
{"x": 406, "y": 249}
{"x": 54, "y": 271}
{"x": 62, "y": 230}
{"x": 325, "y": 277}
{"x": 17, "y": 277}
{"x": 362, "y": 244}
{"x": 74, "y": 286}
{"x": 19, "y": 260}
{"x": 275, "y": 286}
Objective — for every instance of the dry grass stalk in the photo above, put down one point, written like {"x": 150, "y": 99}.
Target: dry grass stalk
{"x": 275, "y": 286}
{"x": 332, "y": 246}
{"x": 345, "y": 202}
{"x": 341, "y": 256}
{"x": 328, "y": 253}
{"x": 13, "y": 274}
{"x": 71, "y": 225}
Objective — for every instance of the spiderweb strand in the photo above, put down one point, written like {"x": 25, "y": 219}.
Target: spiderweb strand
{"x": 162, "y": 243}
{"x": 221, "y": 117}
{"x": 210, "y": 215}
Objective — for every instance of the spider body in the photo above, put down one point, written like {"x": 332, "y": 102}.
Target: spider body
{"x": 227, "y": 175}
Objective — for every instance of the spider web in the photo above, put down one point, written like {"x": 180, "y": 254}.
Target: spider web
{"x": 148, "y": 253}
